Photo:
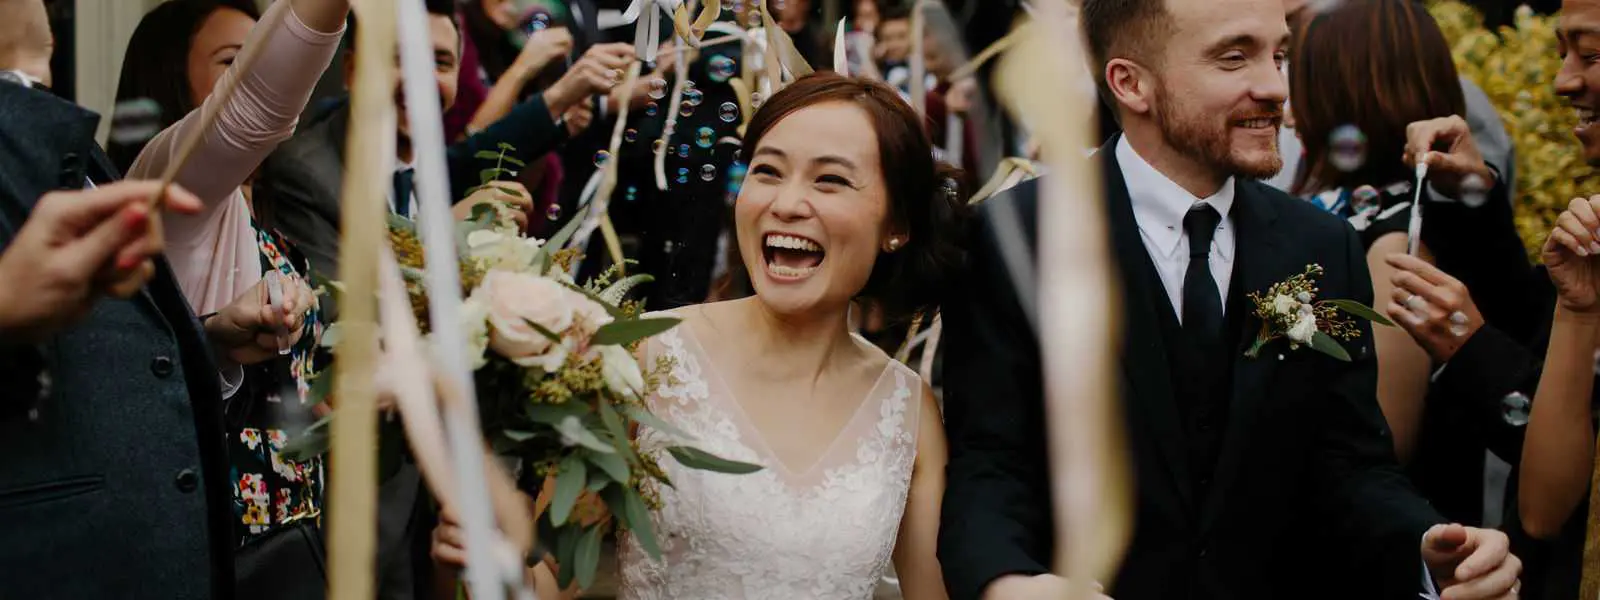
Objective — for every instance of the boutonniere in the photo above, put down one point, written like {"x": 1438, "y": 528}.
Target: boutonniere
{"x": 1290, "y": 309}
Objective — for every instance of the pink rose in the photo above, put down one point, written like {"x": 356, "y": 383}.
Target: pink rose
{"x": 514, "y": 300}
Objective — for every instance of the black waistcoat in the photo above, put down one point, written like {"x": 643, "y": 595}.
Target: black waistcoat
{"x": 1202, "y": 381}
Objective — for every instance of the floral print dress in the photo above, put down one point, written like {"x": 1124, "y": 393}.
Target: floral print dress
{"x": 270, "y": 491}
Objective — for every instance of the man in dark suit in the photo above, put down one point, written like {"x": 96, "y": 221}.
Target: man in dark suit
{"x": 114, "y": 482}
{"x": 1255, "y": 477}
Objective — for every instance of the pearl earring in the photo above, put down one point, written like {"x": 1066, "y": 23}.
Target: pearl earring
{"x": 894, "y": 244}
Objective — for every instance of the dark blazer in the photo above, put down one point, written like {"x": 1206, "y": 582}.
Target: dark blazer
{"x": 298, "y": 187}
{"x": 119, "y": 488}
{"x": 1305, "y": 440}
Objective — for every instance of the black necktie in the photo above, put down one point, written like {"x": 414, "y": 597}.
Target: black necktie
{"x": 402, "y": 192}
{"x": 1202, "y": 303}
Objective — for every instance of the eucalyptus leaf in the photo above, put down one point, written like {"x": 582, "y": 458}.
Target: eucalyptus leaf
{"x": 612, "y": 464}
{"x": 619, "y": 433}
{"x": 413, "y": 274}
{"x": 639, "y": 523}
{"x": 321, "y": 387}
{"x": 566, "y": 548}
{"x": 401, "y": 223}
{"x": 574, "y": 431}
{"x": 622, "y": 333}
{"x": 553, "y": 414}
{"x": 514, "y": 160}
{"x": 492, "y": 174}
{"x": 696, "y": 458}
{"x": 1361, "y": 310}
{"x": 569, "y": 484}
{"x": 643, "y": 417}
{"x": 482, "y": 213}
{"x": 598, "y": 484}
{"x": 310, "y": 443}
{"x": 487, "y": 155}
{"x": 517, "y": 435}
{"x": 505, "y": 147}
{"x": 1325, "y": 344}
{"x": 549, "y": 335}
{"x": 586, "y": 557}
{"x": 616, "y": 313}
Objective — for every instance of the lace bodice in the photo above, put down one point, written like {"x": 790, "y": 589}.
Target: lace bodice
{"x": 825, "y": 533}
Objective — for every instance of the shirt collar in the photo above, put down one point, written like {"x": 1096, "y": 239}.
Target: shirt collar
{"x": 1159, "y": 204}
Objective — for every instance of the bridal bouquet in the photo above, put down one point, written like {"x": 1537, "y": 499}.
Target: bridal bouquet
{"x": 559, "y": 388}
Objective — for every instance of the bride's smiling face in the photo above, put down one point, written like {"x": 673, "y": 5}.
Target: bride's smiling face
{"x": 813, "y": 212}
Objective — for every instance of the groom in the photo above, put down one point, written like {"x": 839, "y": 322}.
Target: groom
{"x": 1254, "y": 477}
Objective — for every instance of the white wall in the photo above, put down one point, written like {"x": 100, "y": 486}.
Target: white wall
{"x": 103, "y": 29}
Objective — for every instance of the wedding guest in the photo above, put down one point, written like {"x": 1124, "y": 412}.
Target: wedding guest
{"x": 1238, "y": 461}
{"x": 1558, "y": 456}
{"x": 221, "y": 254}
{"x": 173, "y": 60}
{"x": 26, "y": 48}
{"x": 299, "y": 184}
{"x": 1357, "y": 100}
{"x": 114, "y": 398}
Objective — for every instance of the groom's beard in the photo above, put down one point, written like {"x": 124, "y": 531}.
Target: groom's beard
{"x": 1207, "y": 138}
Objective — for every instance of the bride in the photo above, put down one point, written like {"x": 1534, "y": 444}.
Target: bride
{"x": 843, "y": 201}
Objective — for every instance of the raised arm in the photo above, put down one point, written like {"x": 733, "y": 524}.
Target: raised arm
{"x": 1558, "y": 452}
{"x": 1405, "y": 366}
{"x": 212, "y": 252}
{"x": 916, "y": 559}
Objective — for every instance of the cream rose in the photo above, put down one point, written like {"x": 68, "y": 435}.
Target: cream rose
{"x": 475, "y": 321}
{"x": 1303, "y": 329}
{"x": 501, "y": 250}
{"x": 516, "y": 299}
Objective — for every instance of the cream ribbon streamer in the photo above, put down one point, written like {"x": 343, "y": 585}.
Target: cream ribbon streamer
{"x": 1078, "y": 326}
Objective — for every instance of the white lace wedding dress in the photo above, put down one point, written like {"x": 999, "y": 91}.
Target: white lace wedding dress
{"x": 825, "y": 532}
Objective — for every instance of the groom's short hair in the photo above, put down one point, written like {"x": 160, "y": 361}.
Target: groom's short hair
{"x": 1129, "y": 29}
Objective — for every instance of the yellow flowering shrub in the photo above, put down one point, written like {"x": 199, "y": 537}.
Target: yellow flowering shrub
{"x": 1517, "y": 69}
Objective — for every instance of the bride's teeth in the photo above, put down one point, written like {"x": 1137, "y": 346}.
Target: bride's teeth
{"x": 790, "y": 242}
{"x": 783, "y": 271}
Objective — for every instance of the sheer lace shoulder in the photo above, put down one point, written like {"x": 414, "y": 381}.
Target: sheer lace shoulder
{"x": 825, "y": 532}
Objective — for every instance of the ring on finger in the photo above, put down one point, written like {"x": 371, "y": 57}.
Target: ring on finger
{"x": 1458, "y": 318}
{"x": 1416, "y": 303}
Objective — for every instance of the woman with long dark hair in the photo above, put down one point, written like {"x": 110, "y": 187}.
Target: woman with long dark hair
{"x": 181, "y": 52}
{"x": 1361, "y": 74}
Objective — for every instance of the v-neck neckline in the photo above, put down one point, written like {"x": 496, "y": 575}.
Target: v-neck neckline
{"x": 746, "y": 423}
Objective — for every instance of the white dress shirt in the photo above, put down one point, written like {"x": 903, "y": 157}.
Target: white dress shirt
{"x": 1158, "y": 208}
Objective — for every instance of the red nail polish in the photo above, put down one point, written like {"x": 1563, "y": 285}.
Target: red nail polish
{"x": 126, "y": 262}
{"x": 135, "y": 217}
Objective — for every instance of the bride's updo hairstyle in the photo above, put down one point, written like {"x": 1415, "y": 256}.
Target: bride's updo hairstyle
{"x": 927, "y": 201}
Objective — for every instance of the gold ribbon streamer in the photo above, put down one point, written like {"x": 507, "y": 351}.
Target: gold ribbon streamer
{"x": 608, "y": 178}
{"x": 999, "y": 46}
{"x": 1003, "y": 173}
{"x": 1078, "y": 327}
{"x": 353, "y": 489}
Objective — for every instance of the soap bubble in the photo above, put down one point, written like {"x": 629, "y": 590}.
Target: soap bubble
{"x": 736, "y": 173}
{"x": 553, "y": 212}
{"x": 1348, "y": 148}
{"x": 631, "y": 194}
{"x": 657, "y": 146}
{"x": 1363, "y": 197}
{"x": 601, "y": 158}
{"x": 693, "y": 97}
{"x": 729, "y": 112}
{"x": 1474, "y": 191}
{"x": 721, "y": 68}
{"x": 1514, "y": 409}
{"x": 539, "y": 22}
{"x": 650, "y": 109}
{"x": 683, "y": 151}
{"x": 685, "y": 110}
{"x": 135, "y": 121}
{"x": 708, "y": 172}
{"x": 658, "y": 88}
{"x": 630, "y": 135}
{"x": 705, "y": 137}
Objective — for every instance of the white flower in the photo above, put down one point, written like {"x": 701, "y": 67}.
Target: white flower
{"x": 1304, "y": 329}
{"x": 620, "y": 370}
{"x": 475, "y": 321}
{"x": 1282, "y": 304}
{"x": 1303, "y": 297}
{"x": 1306, "y": 310}
{"x": 502, "y": 250}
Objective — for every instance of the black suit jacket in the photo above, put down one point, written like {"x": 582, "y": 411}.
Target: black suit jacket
{"x": 298, "y": 186}
{"x": 1305, "y": 441}
{"x": 120, "y": 487}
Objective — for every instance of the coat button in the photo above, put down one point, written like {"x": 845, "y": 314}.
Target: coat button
{"x": 161, "y": 366}
{"x": 186, "y": 480}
